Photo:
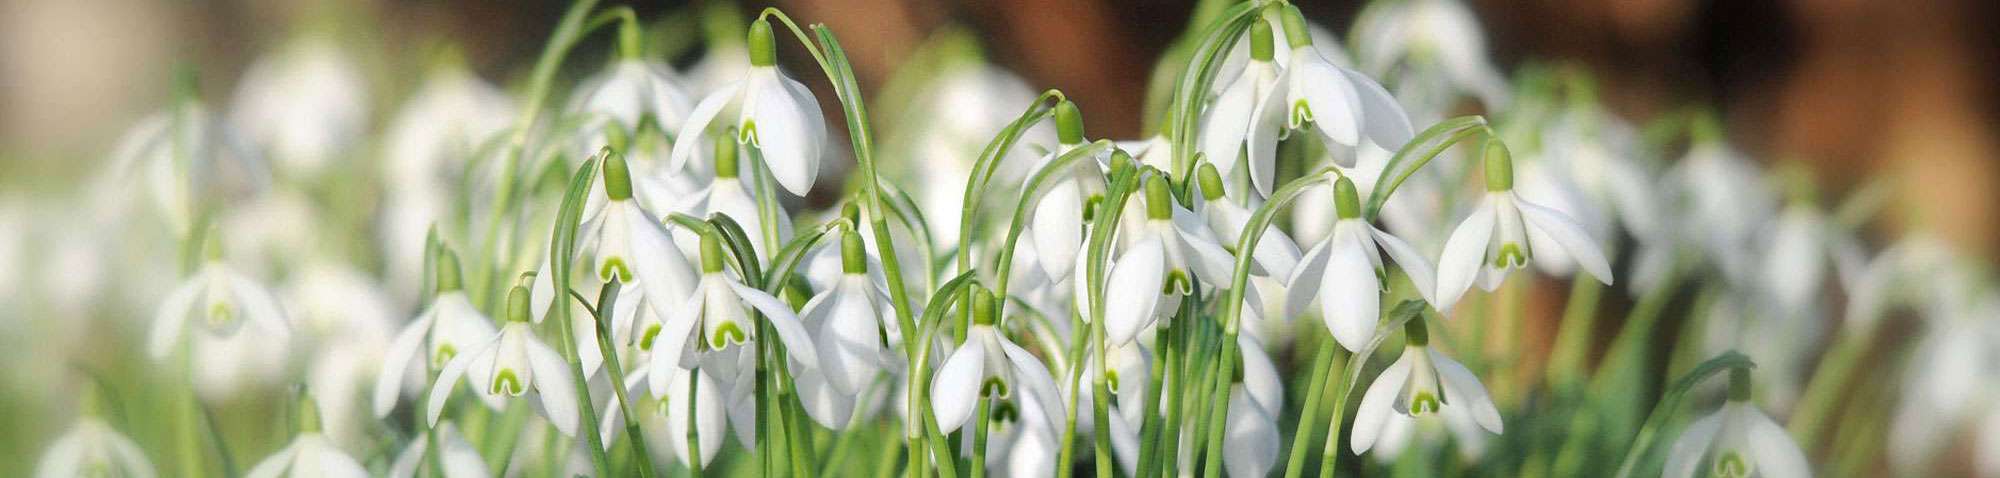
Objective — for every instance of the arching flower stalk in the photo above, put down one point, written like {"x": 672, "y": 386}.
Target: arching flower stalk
{"x": 775, "y": 115}
{"x": 509, "y": 365}
{"x": 1504, "y": 233}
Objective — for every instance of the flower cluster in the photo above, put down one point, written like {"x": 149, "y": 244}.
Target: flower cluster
{"x": 628, "y": 283}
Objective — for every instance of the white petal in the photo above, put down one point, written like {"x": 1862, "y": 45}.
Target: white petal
{"x": 822, "y": 402}
{"x": 448, "y": 379}
{"x": 1413, "y": 263}
{"x": 1464, "y": 256}
{"x": 1132, "y": 291}
{"x": 129, "y": 457}
{"x": 1568, "y": 235}
{"x": 956, "y": 388}
{"x": 664, "y": 273}
{"x": 1462, "y": 389}
{"x": 259, "y": 305}
{"x": 274, "y": 465}
{"x": 1327, "y": 92}
{"x": 1058, "y": 227}
{"x": 1031, "y": 375}
{"x": 1228, "y": 123}
{"x": 64, "y": 459}
{"x": 1267, "y": 122}
{"x": 1685, "y": 457}
{"x": 1377, "y": 403}
{"x": 1303, "y": 286}
{"x": 1772, "y": 450}
{"x": 1350, "y": 296}
{"x": 172, "y": 319}
{"x": 1382, "y": 119}
{"x": 670, "y": 348}
{"x": 556, "y": 385}
{"x": 797, "y": 343}
{"x": 850, "y": 353}
{"x": 1253, "y": 439}
{"x": 790, "y": 129}
{"x": 396, "y": 362}
{"x": 1125, "y": 444}
{"x": 1211, "y": 263}
{"x": 691, "y": 137}
{"x": 1260, "y": 376}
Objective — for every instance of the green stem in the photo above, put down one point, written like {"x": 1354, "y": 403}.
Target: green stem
{"x": 1572, "y": 347}
{"x": 1323, "y": 360}
{"x": 606, "y": 299}
{"x": 561, "y": 251}
{"x": 978, "y": 468}
{"x": 1823, "y": 393}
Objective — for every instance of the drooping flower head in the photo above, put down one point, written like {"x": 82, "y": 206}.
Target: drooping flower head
{"x": 1345, "y": 274}
{"x": 1737, "y": 441}
{"x": 1505, "y": 232}
{"x": 1422, "y": 383}
{"x": 511, "y": 364}
{"x": 775, "y": 114}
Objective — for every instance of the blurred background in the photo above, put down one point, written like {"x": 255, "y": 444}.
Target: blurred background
{"x": 1860, "y": 91}
{"x": 1855, "y": 88}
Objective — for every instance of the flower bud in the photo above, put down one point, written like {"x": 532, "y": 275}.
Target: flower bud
{"x": 1210, "y": 181}
{"x": 1159, "y": 201}
{"x": 853, "y": 255}
{"x": 518, "y": 308}
{"x": 711, "y": 254}
{"x": 1260, "y": 40}
{"x": 983, "y": 305}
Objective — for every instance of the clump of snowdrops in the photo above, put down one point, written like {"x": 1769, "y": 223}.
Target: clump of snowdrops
{"x": 678, "y": 271}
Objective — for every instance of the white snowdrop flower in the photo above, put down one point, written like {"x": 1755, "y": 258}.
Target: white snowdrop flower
{"x": 1057, "y": 223}
{"x": 1402, "y": 431}
{"x": 1256, "y": 401}
{"x": 1598, "y": 153}
{"x": 1241, "y": 128}
{"x": 1276, "y": 253}
{"x": 633, "y": 90}
{"x": 774, "y": 113}
{"x": 696, "y": 401}
{"x": 184, "y": 157}
{"x": 628, "y": 243}
{"x": 1422, "y": 382}
{"x": 309, "y": 454}
{"x": 712, "y": 326}
{"x": 460, "y": 458}
{"x": 1727, "y": 195}
{"x": 1344, "y": 272}
{"x": 1504, "y": 233}
{"x": 1795, "y": 261}
{"x": 1127, "y": 370}
{"x": 1736, "y": 441}
{"x": 846, "y": 325}
{"x": 730, "y": 195}
{"x": 92, "y": 448}
{"x": 425, "y": 151}
{"x": 1442, "y": 33}
{"x": 223, "y": 298}
{"x": 1324, "y": 41}
{"x": 448, "y": 329}
{"x": 1162, "y": 256}
{"x": 990, "y": 366}
{"x": 510, "y": 365}
{"x": 305, "y": 105}
{"x": 1345, "y": 106}
{"x": 349, "y": 322}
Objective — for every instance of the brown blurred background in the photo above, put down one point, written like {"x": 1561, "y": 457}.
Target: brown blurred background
{"x": 1855, "y": 87}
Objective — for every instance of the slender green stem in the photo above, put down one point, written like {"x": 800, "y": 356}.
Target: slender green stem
{"x": 979, "y": 429}
{"x": 606, "y": 299}
{"x": 1823, "y": 393}
{"x": 1344, "y": 388}
{"x": 1322, "y": 360}
{"x": 562, "y": 250}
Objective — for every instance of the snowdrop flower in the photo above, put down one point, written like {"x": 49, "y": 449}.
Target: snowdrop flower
{"x": 1736, "y": 441}
{"x": 630, "y": 244}
{"x": 460, "y": 458}
{"x": 511, "y": 364}
{"x": 1400, "y": 431}
{"x": 633, "y": 91}
{"x": 1441, "y": 31}
{"x": 92, "y": 448}
{"x": 1256, "y": 401}
{"x": 1344, "y": 272}
{"x": 1422, "y": 382}
{"x": 1058, "y": 219}
{"x": 1276, "y": 252}
{"x": 1346, "y": 107}
{"x": 185, "y": 158}
{"x": 309, "y": 454}
{"x": 729, "y": 195}
{"x": 1170, "y": 248}
{"x": 305, "y": 105}
{"x": 449, "y": 328}
{"x": 989, "y": 366}
{"x": 1504, "y": 233}
{"x": 711, "y": 327}
{"x": 1795, "y": 262}
{"x": 774, "y": 113}
{"x": 427, "y": 143}
{"x": 846, "y": 323}
{"x": 1726, "y": 194}
{"x": 224, "y": 298}
{"x": 1240, "y": 128}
